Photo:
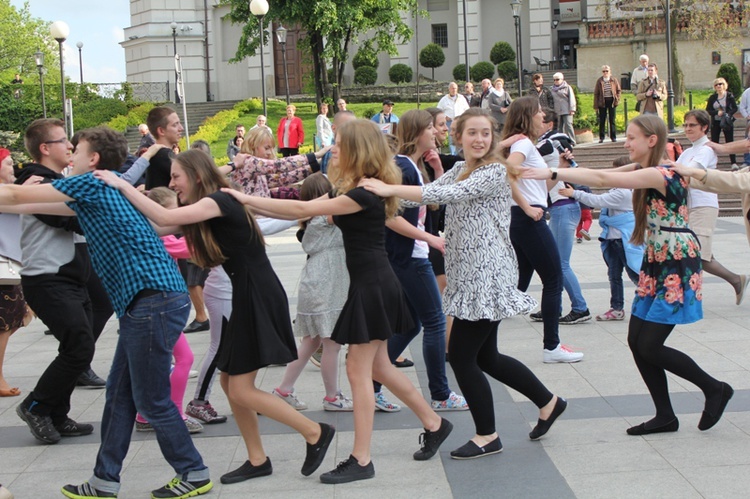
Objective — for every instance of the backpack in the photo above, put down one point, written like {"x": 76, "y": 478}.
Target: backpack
{"x": 674, "y": 149}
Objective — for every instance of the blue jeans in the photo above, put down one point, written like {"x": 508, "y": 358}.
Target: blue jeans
{"x": 139, "y": 382}
{"x": 425, "y": 304}
{"x": 563, "y": 222}
{"x": 614, "y": 255}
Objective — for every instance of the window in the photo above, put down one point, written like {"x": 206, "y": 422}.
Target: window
{"x": 440, "y": 34}
{"x": 435, "y": 5}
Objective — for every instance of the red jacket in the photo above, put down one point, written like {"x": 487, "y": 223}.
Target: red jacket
{"x": 296, "y": 133}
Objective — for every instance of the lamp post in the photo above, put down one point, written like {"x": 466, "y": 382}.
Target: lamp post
{"x": 39, "y": 60}
{"x": 466, "y": 43}
{"x": 80, "y": 59}
{"x": 173, "y": 25}
{"x": 60, "y": 31}
{"x": 281, "y": 36}
{"x": 670, "y": 89}
{"x": 516, "y": 6}
{"x": 259, "y": 8}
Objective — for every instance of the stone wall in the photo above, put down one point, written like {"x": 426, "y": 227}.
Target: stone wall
{"x": 398, "y": 93}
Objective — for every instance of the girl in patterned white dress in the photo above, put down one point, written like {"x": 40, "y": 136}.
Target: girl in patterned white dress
{"x": 482, "y": 274}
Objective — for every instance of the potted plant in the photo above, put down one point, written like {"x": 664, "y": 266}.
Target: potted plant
{"x": 583, "y": 126}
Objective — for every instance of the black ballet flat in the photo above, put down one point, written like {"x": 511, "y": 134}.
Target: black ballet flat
{"x": 403, "y": 363}
{"x": 708, "y": 420}
{"x": 470, "y": 450}
{"x": 543, "y": 425}
{"x": 641, "y": 429}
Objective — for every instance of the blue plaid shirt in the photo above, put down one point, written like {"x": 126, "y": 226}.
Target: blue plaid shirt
{"x": 125, "y": 251}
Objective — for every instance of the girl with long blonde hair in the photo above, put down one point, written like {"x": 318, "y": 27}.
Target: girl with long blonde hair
{"x": 375, "y": 308}
{"x": 670, "y": 283}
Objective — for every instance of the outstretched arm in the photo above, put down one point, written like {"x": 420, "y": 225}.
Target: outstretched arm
{"x": 11, "y": 195}
{"x": 288, "y": 209}
{"x": 408, "y": 192}
{"x": 646, "y": 178}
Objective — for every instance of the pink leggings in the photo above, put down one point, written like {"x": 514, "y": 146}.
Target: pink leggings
{"x": 585, "y": 222}
{"x": 183, "y": 361}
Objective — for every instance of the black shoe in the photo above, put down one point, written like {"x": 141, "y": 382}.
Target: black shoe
{"x": 543, "y": 425}
{"x": 601, "y": 141}
{"x": 41, "y": 426}
{"x": 178, "y": 488}
{"x": 536, "y": 317}
{"x": 470, "y": 450}
{"x": 71, "y": 428}
{"x": 248, "y": 471}
{"x": 431, "y": 440}
{"x": 349, "y": 471}
{"x": 85, "y": 490}
{"x": 711, "y": 416}
{"x": 89, "y": 379}
{"x": 316, "y": 453}
{"x": 195, "y": 327}
{"x": 403, "y": 363}
{"x": 576, "y": 317}
{"x": 643, "y": 429}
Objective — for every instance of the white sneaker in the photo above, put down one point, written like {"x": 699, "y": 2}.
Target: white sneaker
{"x": 341, "y": 404}
{"x": 193, "y": 374}
{"x": 291, "y": 399}
{"x": 561, "y": 354}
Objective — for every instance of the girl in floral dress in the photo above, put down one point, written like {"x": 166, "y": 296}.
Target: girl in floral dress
{"x": 669, "y": 287}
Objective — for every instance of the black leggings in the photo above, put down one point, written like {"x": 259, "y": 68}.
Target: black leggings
{"x": 646, "y": 340}
{"x": 473, "y": 352}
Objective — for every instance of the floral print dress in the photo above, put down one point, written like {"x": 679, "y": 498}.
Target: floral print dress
{"x": 670, "y": 284}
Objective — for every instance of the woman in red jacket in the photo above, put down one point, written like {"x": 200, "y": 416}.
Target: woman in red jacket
{"x": 290, "y": 134}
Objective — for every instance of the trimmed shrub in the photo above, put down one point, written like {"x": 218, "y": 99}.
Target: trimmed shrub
{"x": 507, "y": 70}
{"x": 365, "y": 56}
{"x": 432, "y": 56}
{"x": 482, "y": 70}
{"x": 459, "y": 72}
{"x": 501, "y": 52}
{"x": 729, "y": 72}
{"x": 365, "y": 75}
{"x": 400, "y": 73}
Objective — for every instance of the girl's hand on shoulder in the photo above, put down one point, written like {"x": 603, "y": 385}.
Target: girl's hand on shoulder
{"x": 567, "y": 191}
{"x": 240, "y": 159}
{"x": 504, "y": 144}
{"x": 685, "y": 171}
{"x": 33, "y": 180}
{"x": 239, "y": 196}
{"x": 376, "y": 187}
{"x": 109, "y": 178}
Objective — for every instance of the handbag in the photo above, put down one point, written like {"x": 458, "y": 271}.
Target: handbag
{"x": 726, "y": 121}
{"x": 10, "y": 272}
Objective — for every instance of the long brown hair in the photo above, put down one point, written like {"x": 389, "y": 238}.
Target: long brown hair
{"x": 313, "y": 187}
{"x": 410, "y": 127}
{"x": 205, "y": 179}
{"x": 649, "y": 125}
{"x": 363, "y": 152}
{"x": 520, "y": 119}
{"x": 458, "y": 126}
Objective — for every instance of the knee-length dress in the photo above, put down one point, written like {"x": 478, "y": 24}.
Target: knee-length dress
{"x": 259, "y": 331}
{"x": 670, "y": 284}
{"x": 375, "y": 306}
{"x": 324, "y": 280}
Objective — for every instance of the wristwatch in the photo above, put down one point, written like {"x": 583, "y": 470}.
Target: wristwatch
{"x": 554, "y": 173}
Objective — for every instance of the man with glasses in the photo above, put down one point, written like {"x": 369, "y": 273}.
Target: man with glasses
{"x": 606, "y": 98}
{"x": 474, "y": 99}
{"x": 55, "y": 271}
{"x": 652, "y": 92}
{"x": 565, "y": 105}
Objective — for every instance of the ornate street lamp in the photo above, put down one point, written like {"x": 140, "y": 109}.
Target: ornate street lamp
{"x": 670, "y": 89}
{"x": 80, "y": 59}
{"x": 281, "y": 37}
{"x": 60, "y": 31}
{"x": 516, "y": 6}
{"x": 466, "y": 44}
{"x": 173, "y": 25}
{"x": 39, "y": 60}
{"x": 259, "y": 8}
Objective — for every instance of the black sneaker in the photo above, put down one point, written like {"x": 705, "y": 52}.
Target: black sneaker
{"x": 196, "y": 326}
{"x": 85, "y": 491}
{"x": 576, "y": 317}
{"x": 349, "y": 471}
{"x": 71, "y": 428}
{"x": 89, "y": 379}
{"x": 431, "y": 440}
{"x": 41, "y": 426}
{"x": 316, "y": 453}
{"x": 182, "y": 489}
{"x": 247, "y": 471}
{"x": 536, "y": 317}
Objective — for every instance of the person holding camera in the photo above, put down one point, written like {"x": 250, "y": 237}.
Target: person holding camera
{"x": 652, "y": 92}
{"x": 722, "y": 107}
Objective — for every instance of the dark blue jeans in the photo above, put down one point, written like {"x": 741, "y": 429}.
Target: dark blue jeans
{"x": 425, "y": 304}
{"x": 614, "y": 255}
{"x": 139, "y": 382}
{"x": 536, "y": 250}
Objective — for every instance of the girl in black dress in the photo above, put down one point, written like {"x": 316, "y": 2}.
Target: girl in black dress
{"x": 375, "y": 306}
{"x": 220, "y": 231}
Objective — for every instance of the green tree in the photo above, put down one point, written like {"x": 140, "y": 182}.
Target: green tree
{"x": 482, "y": 70}
{"x": 21, "y": 35}
{"x": 501, "y": 52}
{"x": 459, "y": 72}
{"x": 730, "y": 73}
{"x": 507, "y": 70}
{"x": 432, "y": 56}
{"x": 400, "y": 73}
{"x": 365, "y": 56}
{"x": 331, "y": 26}
{"x": 365, "y": 75}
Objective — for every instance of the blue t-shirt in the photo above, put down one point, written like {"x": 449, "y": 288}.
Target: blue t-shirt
{"x": 125, "y": 251}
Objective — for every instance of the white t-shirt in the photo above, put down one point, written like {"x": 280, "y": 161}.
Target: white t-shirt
{"x": 700, "y": 156}
{"x": 535, "y": 191}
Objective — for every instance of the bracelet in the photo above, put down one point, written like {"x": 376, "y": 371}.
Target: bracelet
{"x": 234, "y": 167}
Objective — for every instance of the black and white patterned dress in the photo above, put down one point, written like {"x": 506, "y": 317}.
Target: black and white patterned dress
{"x": 481, "y": 266}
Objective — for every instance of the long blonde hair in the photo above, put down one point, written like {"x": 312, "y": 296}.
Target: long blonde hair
{"x": 492, "y": 156}
{"x": 205, "y": 179}
{"x": 649, "y": 125}
{"x": 363, "y": 152}
{"x": 254, "y": 138}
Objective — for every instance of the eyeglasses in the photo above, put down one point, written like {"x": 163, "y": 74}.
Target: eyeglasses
{"x": 555, "y": 79}
{"x": 64, "y": 140}
{"x": 719, "y": 85}
{"x": 605, "y": 70}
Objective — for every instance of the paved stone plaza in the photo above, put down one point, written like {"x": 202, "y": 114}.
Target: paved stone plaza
{"x": 587, "y": 454}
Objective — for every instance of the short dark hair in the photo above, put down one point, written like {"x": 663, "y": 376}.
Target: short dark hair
{"x": 239, "y": 125}
{"x": 701, "y": 116}
{"x": 157, "y": 117}
{"x": 537, "y": 76}
{"x": 111, "y": 146}
{"x": 37, "y": 133}
{"x": 202, "y": 145}
{"x": 550, "y": 116}
{"x": 653, "y": 65}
